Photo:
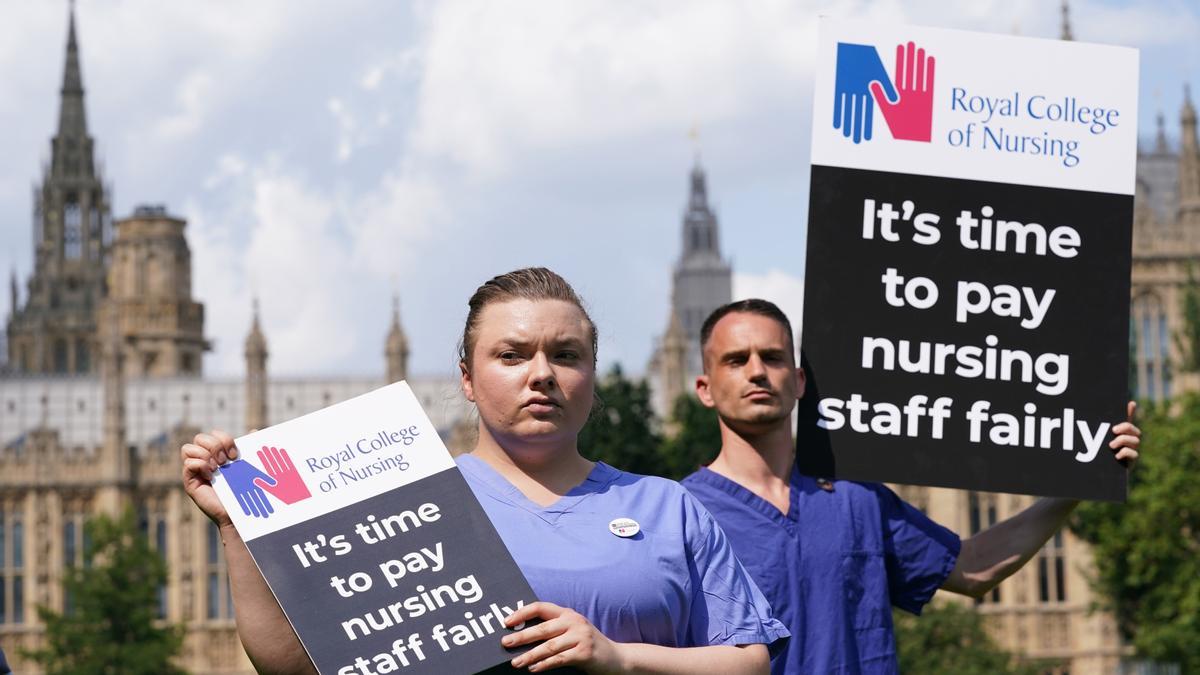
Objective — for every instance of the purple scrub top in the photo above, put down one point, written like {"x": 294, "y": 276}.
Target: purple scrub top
{"x": 675, "y": 583}
{"x": 833, "y": 566}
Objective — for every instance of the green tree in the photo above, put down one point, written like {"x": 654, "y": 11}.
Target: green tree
{"x": 1147, "y": 551}
{"x": 622, "y": 429}
{"x": 112, "y": 628}
{"x": 949, "y": 639}
{"x": 697, "y": 439}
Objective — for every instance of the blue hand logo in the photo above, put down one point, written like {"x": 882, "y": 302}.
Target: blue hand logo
{"x": 853, "y": 106}
{"x": 241, "y": 476}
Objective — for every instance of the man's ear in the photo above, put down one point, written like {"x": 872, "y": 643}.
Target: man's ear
{"x": 703, "y": 393}
{"x": 465, "y": 378}
{"x": 801, "y": 380}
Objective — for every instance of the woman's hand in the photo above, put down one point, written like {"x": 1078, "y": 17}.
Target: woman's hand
{"x": 570, "y": 639}
{"x": 201, "y": 457}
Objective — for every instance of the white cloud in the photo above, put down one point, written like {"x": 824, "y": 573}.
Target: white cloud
{"x": 346, "y": 127}
{"x": 546, "y": 76}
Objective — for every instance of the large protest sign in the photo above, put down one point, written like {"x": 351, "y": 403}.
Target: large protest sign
{"x": 967, "y": 280}
{"x": 372, "y": 541}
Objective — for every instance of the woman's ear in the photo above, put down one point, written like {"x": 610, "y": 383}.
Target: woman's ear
{"x": 465, "y": 378}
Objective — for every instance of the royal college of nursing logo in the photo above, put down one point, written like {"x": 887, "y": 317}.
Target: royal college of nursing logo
{"x": 861, "y": 82}
{"x": 251, "y": 485}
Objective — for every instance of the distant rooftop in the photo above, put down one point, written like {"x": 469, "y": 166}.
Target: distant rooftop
{"x": 151, "y": 211}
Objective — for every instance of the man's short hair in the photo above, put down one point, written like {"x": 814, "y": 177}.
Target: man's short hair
{"x": 749, "y": 306}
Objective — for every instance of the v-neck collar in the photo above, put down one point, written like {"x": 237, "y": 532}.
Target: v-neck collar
{"x": 597, "y": 479}
{"x": 788, "y": 521}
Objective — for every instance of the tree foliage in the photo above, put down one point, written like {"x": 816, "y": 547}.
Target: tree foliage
{"x": 949, "y": 639}
{"x": 697, "y": 438}
{"x": 112, "y": 628}
{"x": 1147, "y": 550}
{"x": 622, "y": 430}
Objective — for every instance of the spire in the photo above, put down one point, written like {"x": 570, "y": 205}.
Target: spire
{"x": 1189, "y": 158}
{"x": 1160, "y": 137}
{"x": 396, "y": 347}
{"x": 256, "y": 375}
{"x": 1066, "y": 22}
{"x": 699, "y": 222}
{"x": 71, "y": 119}
{"x": 1187, "y": 116}
{"x": 256, "y": 342}
{"x": 12, "y": 292}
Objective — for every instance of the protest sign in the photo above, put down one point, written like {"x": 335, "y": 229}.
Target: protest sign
{"x": 967, "y": 279}
{"x": 372, "y": 541}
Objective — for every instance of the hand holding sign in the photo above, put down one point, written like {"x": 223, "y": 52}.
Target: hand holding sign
{"x": 909, "y": 117}
{"x": 853, "y": 110}
{"x": 1128, "y": 438}
{"x": 287, "y": 487}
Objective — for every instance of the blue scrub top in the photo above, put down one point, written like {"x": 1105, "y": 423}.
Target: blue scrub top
{"x": 676, "y": 583}
{"x": 833, "y": 566}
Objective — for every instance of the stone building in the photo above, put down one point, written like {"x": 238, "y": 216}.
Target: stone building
{"x": 103, "y": 385}
{"x": 701, "y": 281}
{"x": 54, "y": 330}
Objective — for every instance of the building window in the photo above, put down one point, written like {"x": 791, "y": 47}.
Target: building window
{"x": 12, "y": 569}
{"x": 75, "y": 541}
{"x": 220, "y": 601}
{"x": 72, "y": 231}
{"x": 1151, "y": 349}
{"x": 60, "y": 356}
{"x": 983, "y": 514}
{"x": 152, "y": 524}
{"x": 1052, "y": 570}
{"x": 83, "y": 361}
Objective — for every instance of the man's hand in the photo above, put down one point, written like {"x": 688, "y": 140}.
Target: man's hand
{"x": 1128, "y": 438}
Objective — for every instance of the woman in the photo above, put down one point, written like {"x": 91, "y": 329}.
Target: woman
{"x": 671, "y": 598}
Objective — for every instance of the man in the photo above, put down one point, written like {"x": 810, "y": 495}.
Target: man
{"x": 833, "y": 557}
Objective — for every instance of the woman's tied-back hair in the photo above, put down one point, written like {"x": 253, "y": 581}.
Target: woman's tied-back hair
{"x": 530, "y": 283}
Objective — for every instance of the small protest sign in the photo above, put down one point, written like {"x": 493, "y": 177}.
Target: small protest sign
{"x": 372, "y": 541}
{"x": 967, "y": 278}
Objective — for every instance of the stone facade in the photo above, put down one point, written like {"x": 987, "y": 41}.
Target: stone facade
{"x": 104, "y": 384}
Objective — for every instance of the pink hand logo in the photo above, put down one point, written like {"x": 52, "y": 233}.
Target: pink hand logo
{"x": 909, "y": 118}
{"x": 289, "y": 488}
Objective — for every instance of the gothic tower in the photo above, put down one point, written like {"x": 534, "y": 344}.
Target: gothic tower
{"x": 150, "y": 288}
{"x": 256, "y": 376}
{"x": 396, "y": 349}
{"x": 1189, "y": 165}
{"x": 55, "y": 331}
{"x": 702, "y": 280}
{"x": 673, "y": 364}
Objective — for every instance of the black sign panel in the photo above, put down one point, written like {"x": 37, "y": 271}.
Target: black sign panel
{"x": 415, "y": 580}
{"x": 966, "y": 334}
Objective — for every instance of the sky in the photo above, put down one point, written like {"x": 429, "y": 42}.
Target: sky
{"x": 329, "y": 155}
